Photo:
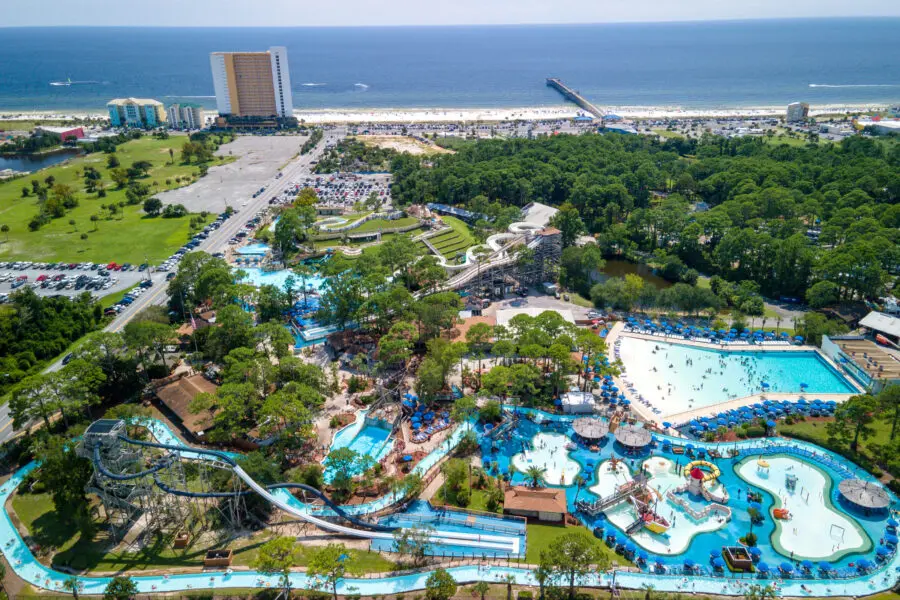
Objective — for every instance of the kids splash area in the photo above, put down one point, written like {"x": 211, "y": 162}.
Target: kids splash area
{"x": 691, "y": 516}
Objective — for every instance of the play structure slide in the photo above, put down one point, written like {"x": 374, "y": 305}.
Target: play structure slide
{"x": 451, "y": 538}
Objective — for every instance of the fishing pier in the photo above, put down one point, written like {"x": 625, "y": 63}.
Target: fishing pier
{"x": 575, "y": 97}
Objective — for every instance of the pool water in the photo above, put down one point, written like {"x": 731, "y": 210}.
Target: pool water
{"x": 677, "y": 378}
{"x": 258, "y": 277}
{"x": 364, "y": 437}
{"x": 254, "y": 250}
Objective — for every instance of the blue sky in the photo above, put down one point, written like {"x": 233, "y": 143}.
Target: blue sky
{"x": 417, "y": 12}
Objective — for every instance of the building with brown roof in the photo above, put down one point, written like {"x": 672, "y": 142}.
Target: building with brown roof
{"x": 176, "y": 397}
{"x": 544, "y": 504}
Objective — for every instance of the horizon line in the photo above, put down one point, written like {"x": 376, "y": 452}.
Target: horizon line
{"x": 435, "y": 25}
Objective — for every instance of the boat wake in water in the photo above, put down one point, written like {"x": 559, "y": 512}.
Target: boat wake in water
{"x": 69, "y": 82}
{"x": 854, "y": 85}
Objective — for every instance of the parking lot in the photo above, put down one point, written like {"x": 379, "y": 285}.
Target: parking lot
{"x": 64, "y": 281}
{"x": 260, "y": 158}
{"x": 341, "y": 190}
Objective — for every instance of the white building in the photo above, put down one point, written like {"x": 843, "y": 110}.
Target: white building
{"x": 797, "y": 112}
{"x": 252, "y": 84}
{"x": 577, "y": 403}
{"x": 186, "y": 116}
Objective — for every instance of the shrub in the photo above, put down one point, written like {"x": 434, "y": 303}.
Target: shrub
{"x": 463, "y": 497}
{"x": 356, "y": 384}
{"x": 755, "y": 431}
{"x": 525, "y": 595}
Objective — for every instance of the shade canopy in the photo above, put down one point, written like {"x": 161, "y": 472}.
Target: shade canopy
{"x": 632, "y": 436}
{"x": 591, "y": 428}
{"x": 864, "y": 494}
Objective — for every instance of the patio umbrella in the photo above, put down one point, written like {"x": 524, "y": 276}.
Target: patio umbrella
{"x": 890, "y": 538}
{"x": 629, "y": 547}
{"x": 804, "y": 385}
{"x": 786, "y": 567}
{"x": 883, "y": 551}
{"x": 755, "y": 506}
{"x": 892, "y": 522}
{"x": 765, "y": 385}
{"x": 689, "y": 563}
{"x": 770, "y": 424}
{"x": 807, "y": 565}
{"x": 754, "y": 551}
{"x": 714, "y": 553}
{"x": 642, "y": 556}
{"x": 666, "y": 424}
{"x": 718, "y": 563}
{"x": 799, "y": 338}
{"x": 762, "y": 567}
{"x": 864, "y": 564}
{"x": 619, "y": 541}
{"x": 825, "y": 566}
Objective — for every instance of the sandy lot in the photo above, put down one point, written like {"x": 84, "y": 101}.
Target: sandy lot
{"x": 402, "y": 143}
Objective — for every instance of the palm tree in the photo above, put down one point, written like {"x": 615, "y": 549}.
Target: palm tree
{"x": 481, "y": 588}
{"x": 535, "y": 475}
{"x": 72, "y": 584}
{"x": 579, "y": 485}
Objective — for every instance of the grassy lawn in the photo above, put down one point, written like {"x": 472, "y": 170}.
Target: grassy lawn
{"x": 814, "y": 430}
{"x": 580, "y": 300}
{"x": 130, "y": 236}
{"x": 376, "y": 224}
{"x": 29, "y": 124}
{"x": 384, "y": 238}
{"x": 667, "y": 134}
{"x": 38, "y": 516}
{"x": 541, "y": 536}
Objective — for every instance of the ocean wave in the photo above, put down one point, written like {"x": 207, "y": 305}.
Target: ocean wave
{"x": 853, "y": 85}
{"x": 361, "y": 86}
{"x": 312, "y": 84}
{"x": 180, "y": 96}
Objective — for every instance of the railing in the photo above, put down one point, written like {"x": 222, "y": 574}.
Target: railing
{"x": 699, "y": 515}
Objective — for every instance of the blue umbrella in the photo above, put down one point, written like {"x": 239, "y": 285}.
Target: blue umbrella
{"x": 629, "y": 547}
{"x": 807, "y": 565}
{"x": 771, "y": 423}
{"x": 890, "y": 538}
{"x": 755, "y": 506}
{"x": 892, "y": 522}
{"x": 883, "y": 551}
{"x": 786, "y": 567}
{"x": 666, "y": 424}
{"x": 864, "y": 564}
{"x": 714, "y": 553}
{"x": 718, "y": 563}
{"x": 660, "y": 562}
{"x": 765, "y": 385}
{"x": 799, "y": 338}
{"x": 619, "y": 541}
{"x": 689, "y": 563}
{"x": 754, "y": 551}
{"x": 804, "y": 385}
{"x": 642, "y": 556}
{"x": 825, "y": 566}
{"x": 762, "y": 567}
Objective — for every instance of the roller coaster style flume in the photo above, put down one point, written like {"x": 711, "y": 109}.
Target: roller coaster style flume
{"x": 141, "y": 482}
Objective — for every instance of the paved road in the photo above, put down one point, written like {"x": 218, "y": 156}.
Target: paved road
{"x": 216, "y": 242}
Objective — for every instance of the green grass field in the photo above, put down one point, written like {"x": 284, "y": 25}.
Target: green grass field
{"x": 376, "y": 224}
{"x": 541, "y": 536}
{"x": 130, "y": 236}
{"x": 38, "y": 516}
{"x": 451, "y": 243}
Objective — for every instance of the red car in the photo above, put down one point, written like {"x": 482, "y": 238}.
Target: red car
{"x": 112, "y": 266}
{"x": 41, "y": 278}
{"x": 72, "y": 266}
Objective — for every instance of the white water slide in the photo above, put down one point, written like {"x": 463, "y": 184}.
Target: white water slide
{"x": 449, "y": 538}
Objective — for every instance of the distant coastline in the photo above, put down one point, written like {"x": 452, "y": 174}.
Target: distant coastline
{"x": 490, "y": 114}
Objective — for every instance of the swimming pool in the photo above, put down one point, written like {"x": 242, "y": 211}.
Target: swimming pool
{"x": 258, "y": 277}
{"x": 254, "y": 250}
{"x": 366, "y": 438}
{"x": 677, "y": 378}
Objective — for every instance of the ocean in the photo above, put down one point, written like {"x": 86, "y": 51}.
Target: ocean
{"x": 695, "y": 65}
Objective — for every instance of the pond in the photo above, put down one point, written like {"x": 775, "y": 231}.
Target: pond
{"x": 620, "y": 268}
{"x": 29, "y": 164}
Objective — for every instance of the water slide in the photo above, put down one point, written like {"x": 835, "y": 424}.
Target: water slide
{"x": 451, "y": 538}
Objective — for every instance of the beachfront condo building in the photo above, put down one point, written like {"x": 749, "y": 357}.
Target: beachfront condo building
{"x": 252, "y": 84}
{"x": 186, "y": 116}
{"x": 136, "y": 112}
{"x": 797, "y": 112}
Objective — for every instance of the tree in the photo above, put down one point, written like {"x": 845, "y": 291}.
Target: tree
{"x": 571, "y": 556}
{"x": 440, "y": 585}
{"x": 414, "y": 542}
{"x": 852, "y": 420}
{"x": 120, "y": 587}
{"x": 346, "y": 463}
{"x": 544, "y": 572}
{"x": 152, "y": 206}
{"x": 889, "y": 402}
{"x": 74, "y": 585}
{"x": 276, "y": 557}
{"x": 328, "y": 565}
{"x": 464, "y": 409}
{"x": 478, "y": 337}
{"x": 758, "y": 592}
{"x": 94, "y": 220}
{"x": 481, "y": 588}
{"x": 5, "y": 230}
{"x": 535, "y": 475}
{"x": 569, "y": 222}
